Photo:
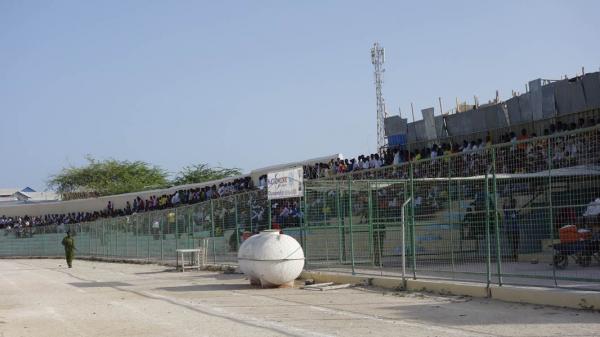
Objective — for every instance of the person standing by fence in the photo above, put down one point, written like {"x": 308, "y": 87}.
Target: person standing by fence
{"x": 69, "y": 243}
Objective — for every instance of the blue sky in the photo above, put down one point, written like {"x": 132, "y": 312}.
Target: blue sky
{"x": 254, "y": 83}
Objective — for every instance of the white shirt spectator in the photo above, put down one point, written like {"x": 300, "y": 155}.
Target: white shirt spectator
{"x": 593, "y": 208}
{"x": 285, "y": 212}
{"x": 397, "y": 158}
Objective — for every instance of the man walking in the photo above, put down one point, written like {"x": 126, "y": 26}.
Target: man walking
{"x": 69, "y": 243}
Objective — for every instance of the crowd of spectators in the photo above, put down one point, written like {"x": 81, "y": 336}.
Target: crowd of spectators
{"x": 470, "y": 158}
{"x": 137, "y": 205}
{"x": 523, "y": 153}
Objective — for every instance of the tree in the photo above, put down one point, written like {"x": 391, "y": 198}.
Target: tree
{"x": 200, "y": 173}
{"x": 108, "y": 177}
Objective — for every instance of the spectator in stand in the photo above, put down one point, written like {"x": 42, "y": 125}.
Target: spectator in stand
{"x": 469, "y": 159}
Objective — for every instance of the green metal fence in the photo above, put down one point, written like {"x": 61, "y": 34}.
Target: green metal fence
{"x": 488, "y": 215}
{"x": 152, "y": 236}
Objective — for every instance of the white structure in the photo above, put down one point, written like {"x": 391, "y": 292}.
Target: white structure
{"x": 17, "y": 196}
{"x": 271, "y": 259}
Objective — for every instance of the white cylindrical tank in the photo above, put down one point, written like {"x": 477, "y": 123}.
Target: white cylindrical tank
{"x": 271, "y": 259}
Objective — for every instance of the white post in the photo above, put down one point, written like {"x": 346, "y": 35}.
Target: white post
{"x": 404, "y": 242}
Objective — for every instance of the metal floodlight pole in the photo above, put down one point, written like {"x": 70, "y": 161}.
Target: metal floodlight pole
{"x": 378, "y": 59}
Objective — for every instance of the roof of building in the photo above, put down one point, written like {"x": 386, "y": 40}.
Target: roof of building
{"x": 8, "y": 195}
{"x": 5, "y": 192}
{"x": 36, "y": 196}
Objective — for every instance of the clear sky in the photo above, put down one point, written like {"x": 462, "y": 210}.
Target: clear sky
{"x": 254, "y": 83}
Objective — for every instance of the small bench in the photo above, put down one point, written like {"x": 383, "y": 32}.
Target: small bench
{"x": 197, "y": 258}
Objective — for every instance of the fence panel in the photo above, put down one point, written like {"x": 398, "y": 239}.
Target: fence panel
{"x": 495, "y": 214}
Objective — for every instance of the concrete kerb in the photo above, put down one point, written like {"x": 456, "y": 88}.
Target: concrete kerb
{"x": 575, "y": 299}
{"x": 449, "y": 288}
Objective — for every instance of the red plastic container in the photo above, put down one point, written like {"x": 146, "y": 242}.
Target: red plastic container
{"x": 568, "y": 234}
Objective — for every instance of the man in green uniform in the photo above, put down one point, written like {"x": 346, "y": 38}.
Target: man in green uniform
{"x": 69, "y": 244}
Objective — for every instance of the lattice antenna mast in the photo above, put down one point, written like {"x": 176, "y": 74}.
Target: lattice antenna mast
{"x": 377, "y": 59}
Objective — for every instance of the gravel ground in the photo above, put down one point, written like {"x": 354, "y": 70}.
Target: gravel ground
{"x": 44, "y": 298}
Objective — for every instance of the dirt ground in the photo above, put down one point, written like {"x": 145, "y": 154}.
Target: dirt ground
{"x": 44, "y": 298}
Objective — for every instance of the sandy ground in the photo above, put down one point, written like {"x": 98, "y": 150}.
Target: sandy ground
{"x": 43, "y": 298}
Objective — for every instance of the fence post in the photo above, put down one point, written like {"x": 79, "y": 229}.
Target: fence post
{"x": 190, "y": 227}
{"x": 304, "y": 224}
{"x": 370, "y": 222}
{"x": 551, "y": 210}
{"x": 114, "y": 229}
{"x": 404, "y": 241}
{"x": 341, "y": 229}
{"x": 496, "y": 225}
{"x": 148, "y": 238}
{"x": 161, "y": 234}
{"x": 488, "y": 260}
{"x": 89, "y": 226}
{"x": 176, "y": 228}
{"x": 412, "y": 220}
{"x": 213, "y": 235}
{"x": 251, "y": 215}
{"x": 42, "y": 236}
{"x": 269, "y": 214}
{"x": 451, "y": 222}
{"x": 137, "y": 234}
{"x": 126, "y": 233}
{"x": 237, "y": 227}
{"x": 350, "y": 218}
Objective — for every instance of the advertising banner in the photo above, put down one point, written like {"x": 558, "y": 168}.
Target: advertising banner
{"x": 285, "y": 184}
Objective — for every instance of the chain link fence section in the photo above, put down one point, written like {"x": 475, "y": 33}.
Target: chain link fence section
{"x": 525, "y": 212}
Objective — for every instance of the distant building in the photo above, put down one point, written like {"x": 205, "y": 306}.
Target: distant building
{"x": 26, "y": 195}
{"x": 544, "y": 103}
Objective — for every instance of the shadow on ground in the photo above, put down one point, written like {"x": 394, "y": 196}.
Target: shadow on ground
{"x": 208, "y": 287}
{"x": 169, "y": 270}
{"x": 455, "y": 313}
{"x": 99, "y": 284}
